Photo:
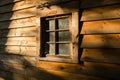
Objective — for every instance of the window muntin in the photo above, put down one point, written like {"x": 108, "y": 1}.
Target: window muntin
{"x": 57, "y": 36}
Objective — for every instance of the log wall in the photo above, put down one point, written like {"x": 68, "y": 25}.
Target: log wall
{"x": 99, "y": 39}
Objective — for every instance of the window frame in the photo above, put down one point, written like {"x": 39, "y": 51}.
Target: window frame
{"x": 74, "y": 31}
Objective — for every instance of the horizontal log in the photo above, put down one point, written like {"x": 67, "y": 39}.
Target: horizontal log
{"x": 59, "y": 9}
{"x": 67, "y": 67}
{"x": 15, "y": 68}
{"x": 101, "y": 41}
{"x": 5, "y": 75}
{"x": 18, "y": 14}
{"x": 18, "y": 50}
{"x": 4, "y": 2}
{"x": 110, "y": 71}
{"x": 39, "y": 73}
{"x": 101, "y": 27}
{"x": 17, "y": 59}
{"x": 26, "y": 22}
{"x": 96, "y": 3}
{"x": 16, "y": 6}
{"x": 29, "y": 31}
{"x": 100, "y": 13}
{"x": 23, "y": 41}
{"x": 101, "y": 55}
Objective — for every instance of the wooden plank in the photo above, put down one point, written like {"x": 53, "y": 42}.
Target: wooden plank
{"x": 58, "y": 9}
{"x": 18, "y": 14}
{"x": 67, "y": 67}
{"x": 100, "y": 13}
{"x": 10, "y": 76}
{"x": 29, "y": 31}
{"x": 17, "y": 41}
{"x": 26, "y": 22}
{"x": 96, "y": 3}
{"x": 4, "y": 2}
{"x": 39, "y": 73}
{"x": 101, "y": 27}
{"x": 101, "y": 41}
{"x": 17, "y": 59}
{"x": 16, "y": 6}
{"x": 18, "y": 50}
{"x": 15, "y": 68}
{"x": 110, "y": 71}
{"x": 101, "y": 55}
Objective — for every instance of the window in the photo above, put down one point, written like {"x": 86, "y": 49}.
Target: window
{"x": 58, "y": 37}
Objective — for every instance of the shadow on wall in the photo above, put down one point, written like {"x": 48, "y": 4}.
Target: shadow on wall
{"x": 14, "y": 66}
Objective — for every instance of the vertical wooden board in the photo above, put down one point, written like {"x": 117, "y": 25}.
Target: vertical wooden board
{"x": 101, "y": 27}
{"x": 101, "y": 41}
{"x": 16, "y": 6}
{"x": 101, "y": 55}
{"x": 25, "y": 22}
{"x": 96, "y": 3}
{"x": 110, "y": 71}
{"x": 106, "y": 12}
{"x": 18, "y": 14}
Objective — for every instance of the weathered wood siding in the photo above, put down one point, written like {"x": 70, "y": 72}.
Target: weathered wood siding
{"x": 99, "y": 35}
{"x": 17, "y": 38}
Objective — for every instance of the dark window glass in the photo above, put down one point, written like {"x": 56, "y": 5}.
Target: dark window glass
{"x": 64, "y": 36}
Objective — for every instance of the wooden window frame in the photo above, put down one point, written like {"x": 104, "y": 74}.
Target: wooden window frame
{"x": 74, "y": 32}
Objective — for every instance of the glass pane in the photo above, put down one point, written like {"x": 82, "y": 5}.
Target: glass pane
{"x": 64, "y": 36}
{"x": 51, "y": 25}
{"x": 64, "y": 49}
{"x": 51, "y": 48}
{"x": 52, "y": 36}
{"x": 63, "y": 23}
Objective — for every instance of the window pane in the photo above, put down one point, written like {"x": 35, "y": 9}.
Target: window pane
{"x": 51, "y": 25}
{"x": 64, "y": 49}
{"x": 64, "y": 36}
{"x": 52, "y": 36}
{"x": 63, "y": 23}
{"x": 51, "y": 48}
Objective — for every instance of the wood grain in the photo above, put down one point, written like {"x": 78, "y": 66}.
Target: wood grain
{"x": 96, "y": 3}
{"x": 16, "y": 6}
{"x": 19, "y": 23}
{"x": 110, "y": 71}
{"x": 30, "y": 31}
{"x": 23, "y": 41}
{"x": 18, "y": 14}
{"x": 101, "y": 55}
{"x": 100, "y": 13}
{"x": 101, "y": 41}
{"x": 101, "y": 27}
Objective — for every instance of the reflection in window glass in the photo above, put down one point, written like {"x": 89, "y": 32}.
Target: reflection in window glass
{"x": 51, "y": 48}
{"x": 52, "y": 36}
{"x": 64, "y": 49}
{"x": 51, "y": 25}
{"x": 63, "y": 23}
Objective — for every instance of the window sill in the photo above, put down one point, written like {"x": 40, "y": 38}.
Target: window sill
{"x": 56, "y": 59}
